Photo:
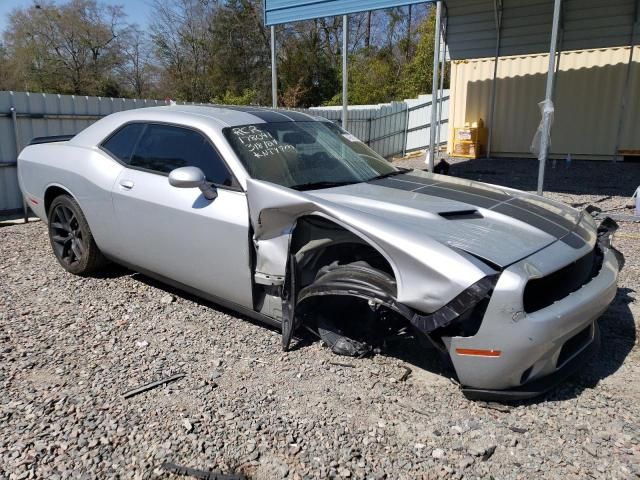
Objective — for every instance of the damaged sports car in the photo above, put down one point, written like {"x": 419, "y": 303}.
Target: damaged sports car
{"x": 291, "y": 220}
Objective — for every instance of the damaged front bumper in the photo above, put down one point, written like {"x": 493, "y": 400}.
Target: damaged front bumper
{"x": 541, "y": 385}
{"x": 535, "y": 350}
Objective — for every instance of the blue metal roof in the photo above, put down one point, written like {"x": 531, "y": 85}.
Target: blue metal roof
{"x": 286, "y": 11}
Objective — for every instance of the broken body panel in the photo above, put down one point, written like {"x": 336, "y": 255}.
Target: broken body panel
{"x": 450, "y": 244}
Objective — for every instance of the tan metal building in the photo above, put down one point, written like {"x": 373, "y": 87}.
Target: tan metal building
{"x": 587, "y": 97}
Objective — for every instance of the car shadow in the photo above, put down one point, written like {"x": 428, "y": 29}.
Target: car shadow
{"x": 617, "y": 329}
{"x": 152, "y": 282}
{"x": 618, "y": 337}
{"x": 112, "y": 270}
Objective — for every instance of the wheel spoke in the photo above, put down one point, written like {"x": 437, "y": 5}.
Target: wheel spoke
{"x": 62, "y": 216}
{"x": 74, "y": 248}
{"x": 79, "y": 245}
{"x": 72, "y": 219}
{"x": 58, "y": 226}
{"x": 60, "y": 238}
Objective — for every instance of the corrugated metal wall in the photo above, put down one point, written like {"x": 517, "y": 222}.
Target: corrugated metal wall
{"x": 384, "y": 127}
{"x": 526, "y": 26}
{"x": 391, "y": 128}
{"x": 589, "y": 86}
{"x": 40, "y": 114}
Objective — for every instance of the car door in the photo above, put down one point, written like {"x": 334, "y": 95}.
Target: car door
{"x": 176, "y": 232}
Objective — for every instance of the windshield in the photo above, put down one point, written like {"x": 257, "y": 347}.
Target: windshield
{"x": 305, "y": 155}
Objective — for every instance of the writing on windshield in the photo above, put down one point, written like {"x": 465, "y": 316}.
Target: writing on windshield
{"x": 258, "y": 142}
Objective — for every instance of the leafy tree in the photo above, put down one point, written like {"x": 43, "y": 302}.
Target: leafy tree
{"x": 137, "y": 72}
{"x": 215, "y": 51}
{"x": 180, "y": 32}
{"x": 66, "y": 48}
{"x": 306, "y": 74}
{"x": 417, "y": 76}
{"x": 247, "y": 97}
{"x": 239, "y": 52}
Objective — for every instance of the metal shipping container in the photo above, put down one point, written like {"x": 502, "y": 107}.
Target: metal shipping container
{"x": 587, "y": 101}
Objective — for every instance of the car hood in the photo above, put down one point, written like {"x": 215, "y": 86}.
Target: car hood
{"x": 496, "y": 224}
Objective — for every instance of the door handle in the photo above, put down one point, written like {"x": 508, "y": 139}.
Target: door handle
{"x": 126, "y": 184}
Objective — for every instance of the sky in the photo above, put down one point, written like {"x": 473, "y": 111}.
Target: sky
{"x": 137, "y": 10}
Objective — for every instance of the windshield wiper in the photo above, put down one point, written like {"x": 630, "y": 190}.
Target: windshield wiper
{"x": 399, "y": 171}
{"x": 325, "y": 184}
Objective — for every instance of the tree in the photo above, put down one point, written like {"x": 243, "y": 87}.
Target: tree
{"x": 6, "y": 79}
{"x": 66, "y": 48}
{"x": 180, "y": 33}
{"x": 307, "y": 71}
{"x": 137, "y": 71}
{"x": 215, "y": 51}
{"x": 417, "y": 76}
{"x": 239, "y": 51}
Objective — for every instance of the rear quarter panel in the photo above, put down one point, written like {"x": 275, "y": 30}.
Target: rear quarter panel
{"x": 86, "y": 173}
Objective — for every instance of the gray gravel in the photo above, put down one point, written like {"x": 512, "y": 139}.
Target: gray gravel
{"x": 70, "y": 347}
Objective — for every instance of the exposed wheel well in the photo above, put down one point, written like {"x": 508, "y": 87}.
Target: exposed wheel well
{"x": 335, "y": 283}
{"x": 50, "y": 194}
{"x": 318, "y": 241}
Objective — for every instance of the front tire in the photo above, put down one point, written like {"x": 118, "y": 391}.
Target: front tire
{"x": 71, "y": 239}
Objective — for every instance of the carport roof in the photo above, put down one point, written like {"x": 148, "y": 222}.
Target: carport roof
{"x": 526, "y": 25}
{"x": 472, "y": 24}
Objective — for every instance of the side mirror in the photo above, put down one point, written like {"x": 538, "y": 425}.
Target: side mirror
{"x": 192, "y": 177}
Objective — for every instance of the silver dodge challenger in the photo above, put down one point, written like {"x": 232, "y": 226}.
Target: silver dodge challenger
{"x": 288, "y": 219}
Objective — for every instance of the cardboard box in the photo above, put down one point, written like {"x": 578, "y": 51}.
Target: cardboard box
{"x": 467, "y": 149}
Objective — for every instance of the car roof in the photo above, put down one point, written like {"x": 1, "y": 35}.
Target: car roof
{"x": 198, "y": 116}
{"x": 230, "y": 116}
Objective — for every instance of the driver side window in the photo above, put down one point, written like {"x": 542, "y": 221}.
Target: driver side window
{"x": 161, "y": 148}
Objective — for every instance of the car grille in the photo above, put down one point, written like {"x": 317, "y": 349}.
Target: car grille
{"x": 542, "y": 292}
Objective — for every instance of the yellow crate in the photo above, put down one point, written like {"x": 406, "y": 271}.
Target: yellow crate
{"x": 467, "y": 149}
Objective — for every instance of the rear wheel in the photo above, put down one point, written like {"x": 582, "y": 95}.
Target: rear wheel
{"x": 71, "y": 239}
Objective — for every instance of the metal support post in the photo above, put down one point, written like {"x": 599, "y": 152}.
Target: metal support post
{"x": 16, "y": 136}
{"x": 624, "y": 99}
{"x": 443, "y": 66}
{"x": 497, "y": 12}
{"x": 274, "y": 72}
{"x": 345, "y": 53}
{"x": 434, "y": 86}
{"x": 544, "y": 139}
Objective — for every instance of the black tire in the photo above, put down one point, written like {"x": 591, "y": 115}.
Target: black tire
{"x": 71, "y": 238}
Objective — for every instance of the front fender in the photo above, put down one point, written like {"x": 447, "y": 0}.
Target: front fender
{"x": 428, "y": 274}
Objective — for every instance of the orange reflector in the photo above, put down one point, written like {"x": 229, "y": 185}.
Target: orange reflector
{"x": 478, "y": 353}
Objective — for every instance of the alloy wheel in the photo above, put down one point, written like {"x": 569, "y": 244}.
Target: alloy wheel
{"x": 68, "y": 241}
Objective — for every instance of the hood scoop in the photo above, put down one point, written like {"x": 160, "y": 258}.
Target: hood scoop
{"x": 461, "y": 214}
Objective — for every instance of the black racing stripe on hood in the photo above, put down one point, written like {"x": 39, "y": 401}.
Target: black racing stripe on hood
{"x": 532, "y": 219}
{"x": 391, "y": 182}
{"x": 405, "y": 177}
{"x": 429, "y": 187}
{"x": 539, "y": 210}
{"x": 489, "y": 199}
{"x": 459, "y": 196}
{"x": 582, "y": 232}
{"x": 573, "y": 241}
{"x": 479, "y": 190}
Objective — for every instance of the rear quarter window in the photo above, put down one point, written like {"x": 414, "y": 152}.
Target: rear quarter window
{"x": 121, "y": 143}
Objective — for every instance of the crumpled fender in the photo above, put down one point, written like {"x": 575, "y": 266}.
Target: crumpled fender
{"x": 428, "y": 273}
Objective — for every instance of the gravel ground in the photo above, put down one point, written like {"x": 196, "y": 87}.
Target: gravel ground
{"x": 70, "y": 347}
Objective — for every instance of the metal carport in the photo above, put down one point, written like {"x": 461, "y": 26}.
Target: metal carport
{"x": 494, "y": 28}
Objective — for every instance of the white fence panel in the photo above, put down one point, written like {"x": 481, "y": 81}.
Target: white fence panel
{"x": 389, "y": 129}
{"x": 45, "y": 114}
